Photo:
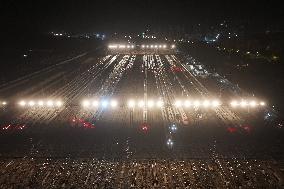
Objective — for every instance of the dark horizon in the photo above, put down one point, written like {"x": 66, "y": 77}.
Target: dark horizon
{"x": 31, "y": 17}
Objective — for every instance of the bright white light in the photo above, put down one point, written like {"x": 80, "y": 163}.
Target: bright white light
{"x": 141, "y": 104}
{"x": 113, "y": 103}
{"x": 22, "y": 103}
{"x": 234, "y": 103}
{"x": 243, "y": 103}
{"x": 160, "y": 46}
{"x": 86, "y": 103}
{"x": 4, "y": 103}
{"x": 160, "y": 103}
{"x": 31, "y": 103}
{"x": 206, "y": 103}
{"x": 187, "y": 103}
{"x": 49, "y": 103}
{"x": 121, "y": 46}
{"x": 156, "y": 46}
{"x": 252, "y": 104}
{"x": 58, "y": 103}
{"x": 170, "y": 142}
{"x": 131, "y": 103}
{"x": 132, "y": 46}
{"x": 178, "y": 103}
{"x": 262, "y": 103}
{"x": 164, "y": 46}
{"x": 150, "y": 103}
{"x": 215, "y": 103}
{"x": 196, "y": 103}
{"x": 147, "y": 46}
{"x": 128, "y": 46}
{"x": 173, "y": 128}
{"x": 112, "y": 46}
{"x": 40, "y": 103}
{"x": 143, "y": 46}
{"x": 104, "y": 103}
{"x": 151, "y": 46}
{"x": 95, "y": 103}
{"x": 173, "y": 46}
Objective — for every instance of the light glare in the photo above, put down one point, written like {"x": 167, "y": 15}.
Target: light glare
{"x": 252, "y": 103}
{"x": 86, "y": 103}
{"x": 243, "y": 103}
{"x": 40, "y": 103}
{"x": 49, "y": 103}
{"x": 160, "y": 103}
{"x": 187, "y": 103}
{"x": 178, "y": 103}
{"x": 215, "y": 103}
{"x": 131, "y": 103}
{"x": 234, "y": 103}
{"x": 141, "y": 103}
{"x": 150, "y": 103}
{"x": 196, "y": 103}
{"x": 113, "y": 103}
{"x": 58, "y": 103}
{"x": 95, "y": 103}
{"x": 31, "y": 103}
{"x": 206, "y": 103}
{"x": 22, "y": 103}
{"x": 262, "y": 103}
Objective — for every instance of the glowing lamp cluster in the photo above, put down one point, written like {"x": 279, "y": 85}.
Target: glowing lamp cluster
{"x": 3, "y": 103}
{"x": 88, "y": 103}
{"x": 154, "y": 46}
{"x": 142, "y": 104}
{"x": 41, "y": 103}
{"x": 197, "y": 103}
{"x": 247, "y": 103}
{"x": 121, "y": 46}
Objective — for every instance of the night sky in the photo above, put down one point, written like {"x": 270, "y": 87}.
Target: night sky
{"x": 107, "y": 15}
